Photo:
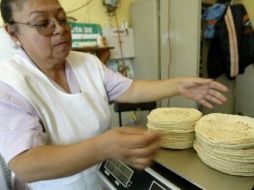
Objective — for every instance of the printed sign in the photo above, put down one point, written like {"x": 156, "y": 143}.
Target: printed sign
{"x": 84, "y": 35}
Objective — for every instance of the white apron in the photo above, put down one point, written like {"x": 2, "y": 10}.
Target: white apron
{"x": 67, "y": 118}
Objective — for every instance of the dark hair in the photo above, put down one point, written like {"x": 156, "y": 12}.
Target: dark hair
{"x": 7, "y": 9}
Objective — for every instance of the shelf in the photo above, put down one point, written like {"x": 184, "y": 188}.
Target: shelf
{"x": 91, "y": 49}
{"x": 103, "y": 53}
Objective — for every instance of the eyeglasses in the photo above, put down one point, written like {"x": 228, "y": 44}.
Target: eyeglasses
{"x": 47, "y": 27}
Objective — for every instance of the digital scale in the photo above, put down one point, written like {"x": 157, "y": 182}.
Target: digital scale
{"x": 118, "y": 176}
{"x": 172, "y": 170}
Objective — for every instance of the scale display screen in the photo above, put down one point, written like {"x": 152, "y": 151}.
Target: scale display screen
{"x": 156, "y": 186}
{"x": 119, "y": 176}
{"x": 120, "y": 171}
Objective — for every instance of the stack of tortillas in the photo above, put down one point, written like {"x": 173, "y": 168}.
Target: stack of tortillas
{"x": 176, "y": 125}
{"x": 226, "y": 142}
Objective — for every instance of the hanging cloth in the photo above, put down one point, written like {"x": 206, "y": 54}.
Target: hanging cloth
{"x": 232, "y": 48}
{"x": 212, "y": 15}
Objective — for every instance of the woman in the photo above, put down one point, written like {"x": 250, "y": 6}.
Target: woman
{"x": 54, "y": 104}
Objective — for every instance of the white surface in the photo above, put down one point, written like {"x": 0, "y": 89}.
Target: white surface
{"x": 144, "y": 16}
{"x": 245, "y": 92}
{"x": 184, "y": 36}
{"x": 167, "y": 40}
{"x": 126, "y": 37}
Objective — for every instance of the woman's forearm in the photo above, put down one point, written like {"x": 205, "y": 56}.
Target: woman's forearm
{"x": 134, "y": 146}
{"x": 51, "y": 161}
{"x": 145, "y": 91}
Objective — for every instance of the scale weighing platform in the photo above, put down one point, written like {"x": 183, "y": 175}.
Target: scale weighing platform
{"x": 172, "y": 170}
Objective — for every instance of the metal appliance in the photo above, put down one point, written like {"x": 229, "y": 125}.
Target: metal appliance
{"x": 173, "y": 170}
{"x": 118, "y": 176}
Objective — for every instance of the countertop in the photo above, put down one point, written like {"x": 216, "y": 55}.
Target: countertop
{"x": 188, "y": 165}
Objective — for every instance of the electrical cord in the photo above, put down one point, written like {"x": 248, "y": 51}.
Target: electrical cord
{"x": 170, "y": 60}
{"x": 133, "y": 114}
{"x": 120, "y": 41}
{"x": 80, "y": 7}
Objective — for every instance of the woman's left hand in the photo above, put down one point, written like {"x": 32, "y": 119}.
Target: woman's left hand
{"x": 205, "y": 91}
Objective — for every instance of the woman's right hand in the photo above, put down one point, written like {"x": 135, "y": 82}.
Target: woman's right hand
{"x": 135, "y": 146}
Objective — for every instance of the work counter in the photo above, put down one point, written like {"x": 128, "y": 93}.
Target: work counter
{"x": 188, "y": 165}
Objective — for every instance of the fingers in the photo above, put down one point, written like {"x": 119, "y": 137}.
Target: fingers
{"x": 136, "y": 147}
{"x": 209, "y": 100}
{"x": 143, "y": 157}
{"x": 205, "y": 103}
{"x": 140, "y": 139}
{"x": 212, "y": 97}
{"x": 218, "y": 86}
{"x": 139, "y": 163}
{"x": 137, "y": 130}
{"x": 212, "y": 84}
{"x": 215, "y": 97}
{"x": 146, "y": 151}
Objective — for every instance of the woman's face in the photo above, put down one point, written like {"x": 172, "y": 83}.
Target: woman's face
{"x": 40, "y": 44}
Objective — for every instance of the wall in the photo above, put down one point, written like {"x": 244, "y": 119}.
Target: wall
{"x": 244, "y": 85}
{"x": 249, "y": 4}
{"x": 95, "y": 11}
